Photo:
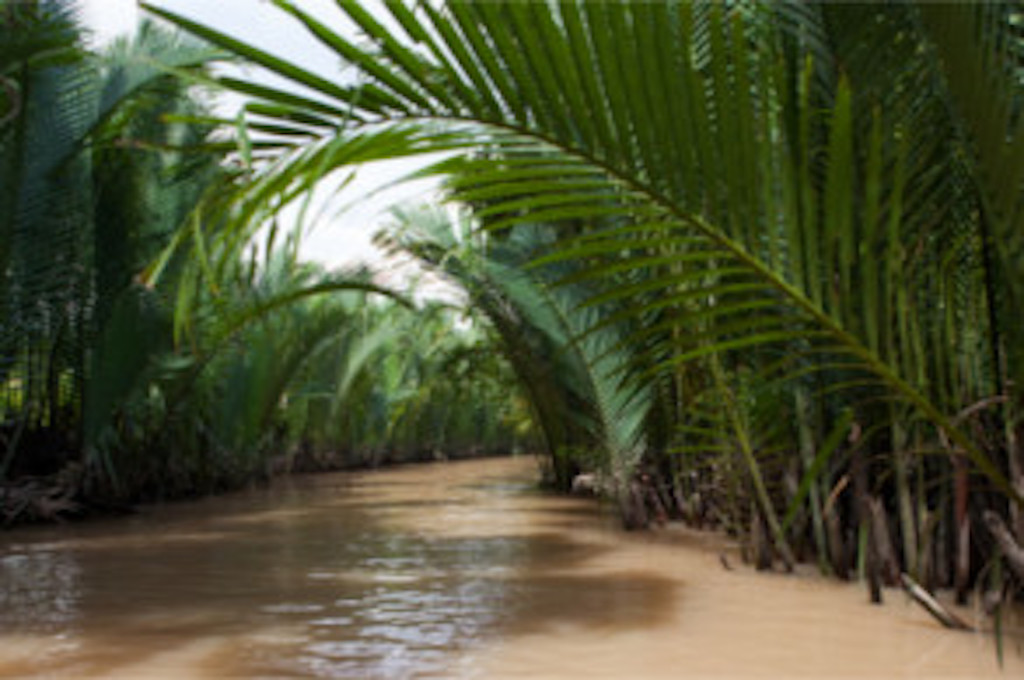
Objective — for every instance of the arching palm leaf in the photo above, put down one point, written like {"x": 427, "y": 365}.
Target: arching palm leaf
{"x": 730, "y": 177}
{"x": 573, "y": 374}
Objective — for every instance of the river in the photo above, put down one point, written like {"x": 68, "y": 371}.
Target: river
{"x": 448, "y": 570}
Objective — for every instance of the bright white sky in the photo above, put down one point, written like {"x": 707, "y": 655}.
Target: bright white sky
{"x": 335, "y": 240}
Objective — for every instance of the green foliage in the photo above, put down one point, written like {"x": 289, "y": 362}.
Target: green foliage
{"x": 161, "y": 371}
{"x": 759, "y": 258}
{"x": 574, "y": 375}
{"x": 825, "y": 196}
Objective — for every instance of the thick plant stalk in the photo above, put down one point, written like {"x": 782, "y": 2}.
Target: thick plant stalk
{"x": 867, "y": 557}
{"x": 840, "y": 565}
{"x": 943, "y": 576}
{"x": 963, "y": 530}
{"x": 1015, "y": 461}
{"x": 764, "y": 501}
{"x": 761, "y": 546}
{"x": 908, "y": 528}
{"x": 926, "y": 556}
{"x": 632, "y": 506}
{"x": 927, "y": 525}
{"x": 889, "y": 567}
{"x": 1006, "y": 416}
{"x": 807, "y": 459}
{"x": 904, "y": 499}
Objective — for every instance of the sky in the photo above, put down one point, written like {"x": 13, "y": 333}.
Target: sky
{"x": 343, "y": 235}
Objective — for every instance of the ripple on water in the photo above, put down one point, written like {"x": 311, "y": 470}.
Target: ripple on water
{"x": 391, "y": 667}
{"x": 334, "y": 621}
{"x": 291, "y": 608}
{"x": 370, "y": 658}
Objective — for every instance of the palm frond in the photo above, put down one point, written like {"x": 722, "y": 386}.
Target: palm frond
{"x": 763, "y": 157}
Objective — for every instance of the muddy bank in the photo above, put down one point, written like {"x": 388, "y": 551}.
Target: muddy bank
{"x": 76, "y": 492}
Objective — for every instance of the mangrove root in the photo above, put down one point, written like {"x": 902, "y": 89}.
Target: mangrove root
{"x": 49, "y": 499}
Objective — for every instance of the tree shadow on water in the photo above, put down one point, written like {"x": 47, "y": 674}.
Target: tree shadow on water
{"x": 620, "y": 601}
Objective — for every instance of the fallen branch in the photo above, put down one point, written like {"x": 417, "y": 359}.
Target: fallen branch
{"x": 1012, "y": 550}
{"x": 934, "y": 607}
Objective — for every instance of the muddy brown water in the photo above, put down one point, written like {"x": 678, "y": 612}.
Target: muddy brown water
{"x": 457, "y": 570}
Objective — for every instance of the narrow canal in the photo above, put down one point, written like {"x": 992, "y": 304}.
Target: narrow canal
{"x": 458, "y": 570}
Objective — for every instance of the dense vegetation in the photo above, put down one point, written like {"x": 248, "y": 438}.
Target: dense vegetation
{"x": 106, "y": 395}
{"x": 754, "y": 265}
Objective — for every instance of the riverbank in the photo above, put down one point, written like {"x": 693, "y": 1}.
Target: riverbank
{"x": 458, "y": 570}
{"x": 73, "y": 493}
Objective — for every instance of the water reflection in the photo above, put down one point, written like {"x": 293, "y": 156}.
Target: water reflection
{"x": 376, "y": 576}
{"x": 40, "y": 590}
